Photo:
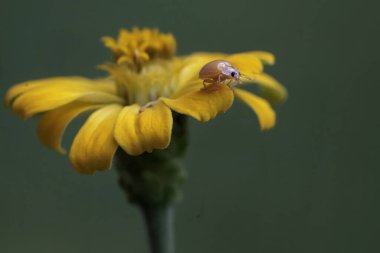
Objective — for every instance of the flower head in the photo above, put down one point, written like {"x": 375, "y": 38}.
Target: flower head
{"x": 138, "y": 46}
{"x": 132, "y": 107}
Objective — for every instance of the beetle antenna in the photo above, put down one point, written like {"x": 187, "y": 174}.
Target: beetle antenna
{"x": 246, "y": 77}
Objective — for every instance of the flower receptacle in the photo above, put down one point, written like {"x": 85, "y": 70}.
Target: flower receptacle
{"x": 155, "y": 178}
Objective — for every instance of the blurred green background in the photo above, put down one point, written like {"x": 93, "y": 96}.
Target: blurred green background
{"x": 309, "y": 185}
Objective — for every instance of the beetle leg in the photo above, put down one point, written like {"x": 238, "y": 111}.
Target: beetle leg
{"x": 208, "y": 81}
{"x": 229, "y": 84}
{"x": 219, "y": 81}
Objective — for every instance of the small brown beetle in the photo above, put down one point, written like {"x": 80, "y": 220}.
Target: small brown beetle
{"x": 218, "y": 71}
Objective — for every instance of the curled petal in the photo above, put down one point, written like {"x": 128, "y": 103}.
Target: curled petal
{"x": 73, "y": 83}
{"x": 155, "y": 125}
{"x": 271, "y": 89}
{"x": 137, "y": 132}
{"x": 48, "y": 98}
{"x": 94, "y": 145}
{"x": 53, "y": 123}
{"x": 248, "y": 64}
{"x": 125, "y": 132}
{"x": 264, "y": 57}
{"x": 263, "y": 110}
{"x": 202, "y": 104}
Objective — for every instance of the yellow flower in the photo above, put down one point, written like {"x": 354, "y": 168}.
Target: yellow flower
{"x": 131, "y": 108}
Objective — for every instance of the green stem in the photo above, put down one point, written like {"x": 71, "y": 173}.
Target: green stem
{"x": 159, "y": 220}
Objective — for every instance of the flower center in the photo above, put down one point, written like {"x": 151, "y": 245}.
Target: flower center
{"x": 156, "y": 79}
{"x": 145, "y": 68}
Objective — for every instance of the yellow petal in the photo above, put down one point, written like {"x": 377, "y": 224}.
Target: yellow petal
{"x": 188, "y": 77}
{"x": 155, "y": 125}
{"x": 53, "y": 123}
{"x": 202, "y": 104}
{"x": 110, "y": 43}
{"x": 263, "y": 110}
{"x": 94, "y": 145}
{"x": 125, "y": 132}
{"x": 50, "y": 97}
{"x": 74, "y": 83}
{"x": 124, "y": 59}
{"x": 248, "y": 64}
{"x": 137, "y": 132}
{"x": 271, "y": 89}
{"x": 264, "y": 57}
{"x": 107, "y": 85}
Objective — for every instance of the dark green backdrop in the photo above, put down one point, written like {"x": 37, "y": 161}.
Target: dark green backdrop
{"x": 309, "y": 185}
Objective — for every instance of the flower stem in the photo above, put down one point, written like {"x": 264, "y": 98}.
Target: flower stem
{"x": 153, "y": 181}
{"x": 159, "y": 220}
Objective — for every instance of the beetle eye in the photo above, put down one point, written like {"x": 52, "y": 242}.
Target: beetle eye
{"x": 233, "y": 74}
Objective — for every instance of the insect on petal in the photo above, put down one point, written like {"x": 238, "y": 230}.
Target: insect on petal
{"x": 202, "y": 104}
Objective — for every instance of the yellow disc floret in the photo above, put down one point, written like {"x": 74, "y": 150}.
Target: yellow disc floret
{"x": 138, "y": 46}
